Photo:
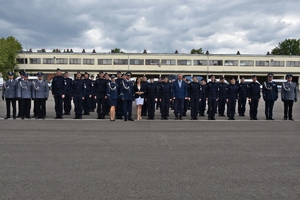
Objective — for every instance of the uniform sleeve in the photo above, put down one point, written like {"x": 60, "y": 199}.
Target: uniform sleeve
{"x": 276, "y": 92}
{"x": 248, "y": 90}
{"x": 282, "y": 92}
{"x": 296, "y": 92}
{"x": 264, "y": 90}
{"x": 226, "y": 92}
{"x": 107, "y": 90}
{"x": 47, "y": 91}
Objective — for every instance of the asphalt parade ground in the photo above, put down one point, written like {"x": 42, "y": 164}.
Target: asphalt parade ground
{"x": 100, "y": 159}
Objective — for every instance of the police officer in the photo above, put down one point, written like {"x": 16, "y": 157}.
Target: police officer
{"x": 159, "y": 82}
{"x": 231, "y": 98}
{"x": 145, "y": 85}
{"x": 253, "y": 91}
{"x": 25, "y": 93}
{"x": 40, "y": 96}
{"x": 78, "y": 95}
{"x": 242, "y": 86}
{"x": 289, "y": 95}
{"x": 165, "y": 97}
{"x": 203, "y": 96}
{"x": 68, "y": 94}
{"x": 212, "y": 97}
{"x": 194, "y": 96}
{"x": 151, "y": 98}
{"x": 107, "y": 102}
{"x": 88, "y": 94}
{"x": 9, "y": 92}
{"x": 93, "y": 100}
{"x": 270, "y": 95}
{"x": 128, "y": 96}
{"x": 58, "y": 92}
{"x": 119, "y": 108}
{"x": 22, "y": 72}
{"x": 222, "y": 96}
{"x": 100, "y": 95}
{"x": 113, "y": 95}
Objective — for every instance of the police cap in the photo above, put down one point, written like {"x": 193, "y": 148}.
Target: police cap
{"x": 10, "y": 73}
{"x": 289, "y": 76}
{"x": 270, "y": 74}
{"x": 40, "y": 74}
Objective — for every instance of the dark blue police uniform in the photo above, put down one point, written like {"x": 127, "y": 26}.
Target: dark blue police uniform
{"x": 231, "y": 96}
{"x": 194, "y": 94}
{"x": 253, "y": 94}
{"x": 222, "y": 98}
{"x": 58, "y": 89}
{"x": 119, "y": 108}
{"x": 151, "y": 96}
{"x": 212, "y": 95}
{"x": 202, "y": 103}
{"x": 270, "y": 95}
{"x": 165, "y": 94}
{"x": 128, "y": 96}
{"x": 87, "y": 98}
{"x": 68, "y": 95}
{"x": 242, "y": 91}
{"x": 100, "y": 93}
{"x": 79, "y": 92}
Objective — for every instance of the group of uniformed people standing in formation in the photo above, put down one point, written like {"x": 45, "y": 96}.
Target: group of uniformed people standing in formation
{"x": 113, "y": 95}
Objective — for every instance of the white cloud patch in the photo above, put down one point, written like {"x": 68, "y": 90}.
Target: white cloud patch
{"x": 252, "y": 27}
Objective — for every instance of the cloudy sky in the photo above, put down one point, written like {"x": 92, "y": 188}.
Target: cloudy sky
{"x": 160, "y": 26}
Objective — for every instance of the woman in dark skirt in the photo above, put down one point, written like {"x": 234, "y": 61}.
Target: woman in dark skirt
{"x": 112, "y": 94}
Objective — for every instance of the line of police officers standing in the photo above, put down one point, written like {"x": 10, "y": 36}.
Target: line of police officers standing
{"x": 86, "y": 93}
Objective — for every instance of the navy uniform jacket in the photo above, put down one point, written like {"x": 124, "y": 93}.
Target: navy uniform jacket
{"x": 203, "y": 93}
{"x": 165, "y": 90}
{"x": 9, "y": 89}
{"x": 152, "y": 90}
{"x": 212, "y": 90}
{"x": 222, "y": 89}
{"x": 242, "y": 90}
{"x": 253, "y": 90}
{"x": 40, "y": 89}
{"x": 79, "y": 88}
{"x": 145, "y": 83}
{"x": 127, "y": 88}
{"x": 93, "y": 82}
{"x": 270, "y": 91}
{"x": 88, "y": 85}
{"x": 25, "y": 89}
{"x": 68, "y": 86}
{"x": 100, "y": 87}
{"x": 194, "y": 89}
{"x": 232, "y": 91}
{"x": 180, "y": 92}
{"x": 142, "y": 89}
{"x": 58, "y": 85}
{"x": 112, "y": 91}
{"x": 289, "y": 91}
{"x": 119, "y": 81}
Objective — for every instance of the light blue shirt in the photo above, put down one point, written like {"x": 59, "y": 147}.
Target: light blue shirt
{"x": 179, "y": 83}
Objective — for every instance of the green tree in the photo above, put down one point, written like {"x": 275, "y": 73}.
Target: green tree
{"x": 197, "y": 51}
{"x": 287, "y": 47}
{"x": 117, "y": 50}
{"x": 9, "y": 49}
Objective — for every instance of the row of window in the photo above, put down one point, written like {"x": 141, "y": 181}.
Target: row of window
{"x": 75, "y": 61}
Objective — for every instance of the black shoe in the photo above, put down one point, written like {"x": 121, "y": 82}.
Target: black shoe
{"x": 251, "y": 118}
{"x": 271, "y": 119}
{"x": 37, "y": 117}
{"x": 75, "y": 118}
{"x": 22, "y": 117}
{"x": 255, "y": 118}
{"x": 56, "y": 117}
{"x": 131, "y": 119}
{"x": 232, "y": 118}
{"x": 222, "y": 115}
{"x": 291, "y": 119}
{"x": 14, "y": 117}
{"x": 28, "y": 117}
{"x": 79, "y": 117}
{"x": 213, "y": 118}
{"x": 229, "y": 118}
{"x": 284, "y": 118}
{"x": 43, "y": 117}
{"x": 176, "y": 118}
{"x": 267, "y": 118}
{"x": 125, "y": 120}
{"x": 6, "y": 117}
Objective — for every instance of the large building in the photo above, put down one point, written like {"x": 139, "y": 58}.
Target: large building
{"x": 161, "y": 64}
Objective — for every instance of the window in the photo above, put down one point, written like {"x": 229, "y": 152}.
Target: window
{"x": 120, "y": 62}
{"x": 75, "y": 61}
{"x": 104, "y": 61}
{"x": 136, "y": 62}
{"x": 292, "y": 63}
{"x": 262, "y": 63}
{"x": 21, "y": 60}
{"x": 88, "y": 61}
{"x": 231, "y": 63}
{"x": 152, "y": 62}
{"x": 61, "y": 60}
{"x": 48, "y": 60}
{"x": 277, "y": 63}
{"x": 216, "y": 62}
{"x": 168, "y": 62}
{"x": 184, "y": 62}
{"x": 246, "y": 63}
{"x": 35, "y": 61}
{"x": 200, "y": 62}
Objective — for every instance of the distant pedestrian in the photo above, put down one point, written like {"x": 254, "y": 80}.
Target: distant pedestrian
{"x": 289, "y": 95}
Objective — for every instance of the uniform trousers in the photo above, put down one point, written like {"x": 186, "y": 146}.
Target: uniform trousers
{"x": 11, "y": 101}
{"x": 127, "y": 105}
{"x": 165, "y": 106}
{"x": 269, "y": 104}
{"x": 58, "y": 105}
{"x": 101, "y": 106}
{"x": 194, "y": 105}
{"x": 288, "y": 109}
{"x": 40, "y": 107}
{"x": 212, "y": 107}
{"x": 242, "y": 105}
{"x": 67, "y": 103}
{"x": 253, "y": 107}
{"x": 78, "y": 102}
{"x": 151, "y": 107}
{"x": 178, "y": 107}
{"x": 25, "y": 108}
{"x": 231, "y": 107}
